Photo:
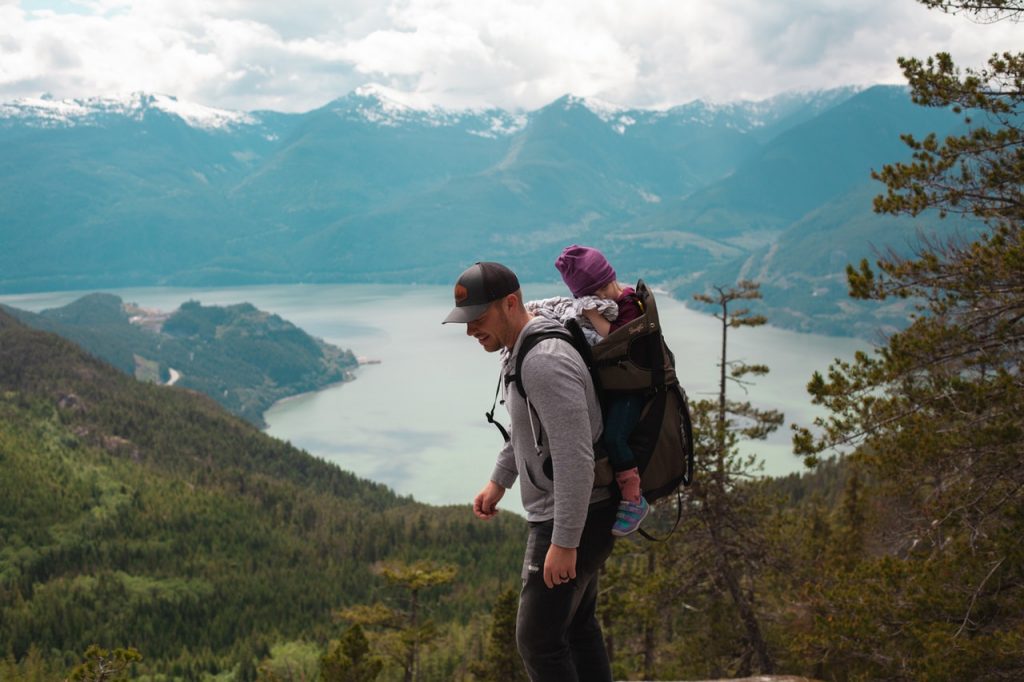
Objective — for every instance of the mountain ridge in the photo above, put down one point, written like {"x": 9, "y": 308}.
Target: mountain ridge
{"x": 49, "y": 112}
{"x": 369, "y": 188}
{"x": 382, "y": 105}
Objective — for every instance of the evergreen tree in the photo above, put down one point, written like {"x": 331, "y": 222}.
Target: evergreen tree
{"x": 696, "y": 604}
{"x": 726, "y": 509}
{"x": 33, "y": 668}
{"x": 349, "y": 660}
{"x": 406, "y": 630}
{"x": 102, "y": 665}
{"x": 637, "y": 584}
{"x": 938, "y": 412}
{"x": 502, "y": 662}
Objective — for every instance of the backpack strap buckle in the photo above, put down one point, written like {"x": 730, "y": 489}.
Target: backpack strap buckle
{"x": 494, "y": 406}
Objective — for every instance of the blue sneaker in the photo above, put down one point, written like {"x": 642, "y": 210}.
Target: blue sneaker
{"x": 630, "y": 516}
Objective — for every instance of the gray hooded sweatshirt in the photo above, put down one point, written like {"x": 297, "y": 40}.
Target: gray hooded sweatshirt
{"x": 566, "y": 417}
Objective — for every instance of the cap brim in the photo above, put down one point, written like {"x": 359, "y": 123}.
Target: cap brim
{"x": 466, "y": 313}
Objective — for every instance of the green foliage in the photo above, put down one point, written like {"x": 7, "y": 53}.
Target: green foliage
{"x": 418, "y": 576}
{"x": 977, "y": 173}
{"x": 630, "y": 610}
{"x": 33, "y": 667}
{"x": 101, "y": 665}
{"x": 405, "y": 631}
{"x": 291, "y": 662}
{"x": 933, "y": 585}
{"x": 349, "y": 660}
{"x": 502, "y": 662}
{"x": 145, "y": 516}
{"x": 983, "y": 10}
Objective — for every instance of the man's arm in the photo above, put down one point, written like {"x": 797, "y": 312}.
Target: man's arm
{"x": 505, "y": 471}
{"x": 556, "y": 382}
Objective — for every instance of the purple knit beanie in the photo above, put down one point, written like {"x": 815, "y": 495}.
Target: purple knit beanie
{"x": 584, "y": 270}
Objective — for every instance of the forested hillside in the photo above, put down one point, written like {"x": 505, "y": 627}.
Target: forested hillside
{"x": 243, "y": 358}
{"x": 145, "y": 516}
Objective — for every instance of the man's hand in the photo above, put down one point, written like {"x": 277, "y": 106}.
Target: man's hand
{"x": 485, "y": 505}
{"x": 559, "y": 565}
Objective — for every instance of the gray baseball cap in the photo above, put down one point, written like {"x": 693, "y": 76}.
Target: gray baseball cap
{"x": 477, "y": 287}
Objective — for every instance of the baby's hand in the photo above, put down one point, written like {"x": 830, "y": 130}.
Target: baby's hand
{"x": 601, "y": 325}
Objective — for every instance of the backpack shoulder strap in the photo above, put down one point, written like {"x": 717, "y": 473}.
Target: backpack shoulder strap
{"x": 524, "y": 348}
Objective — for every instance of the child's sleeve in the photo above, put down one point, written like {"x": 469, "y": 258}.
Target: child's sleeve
{"x": 608, "y": 308}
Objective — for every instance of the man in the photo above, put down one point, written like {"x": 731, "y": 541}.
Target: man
{"x": 550, "y": 452}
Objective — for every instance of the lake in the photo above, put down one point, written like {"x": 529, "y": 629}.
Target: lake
{"x": 416, "y": 420}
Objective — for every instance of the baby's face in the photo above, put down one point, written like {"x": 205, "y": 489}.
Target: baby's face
{"x": 609, "y": 290}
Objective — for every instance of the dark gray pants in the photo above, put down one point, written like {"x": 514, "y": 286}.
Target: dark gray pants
{"x": 557, "y": 630}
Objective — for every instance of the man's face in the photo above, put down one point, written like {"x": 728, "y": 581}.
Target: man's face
{"x": 491, "y": 328}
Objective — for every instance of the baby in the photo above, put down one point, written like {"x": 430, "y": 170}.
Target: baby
{"x": 588, "y": 273}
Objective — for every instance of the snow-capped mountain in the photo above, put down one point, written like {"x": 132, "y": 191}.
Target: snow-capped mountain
{"x": 378, "y": 185}
{"x": 764, "y": 116}
{"x": 47, "y": 112}
{"x": 379, "y": 105}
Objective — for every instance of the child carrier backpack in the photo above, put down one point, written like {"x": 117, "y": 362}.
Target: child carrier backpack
{"x": 633, "y": 359}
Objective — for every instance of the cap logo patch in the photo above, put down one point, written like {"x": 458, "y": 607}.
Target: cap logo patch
{"x": 461, "y": 293}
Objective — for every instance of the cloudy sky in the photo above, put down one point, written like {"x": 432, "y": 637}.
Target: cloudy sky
{"x": 296, "y": 55}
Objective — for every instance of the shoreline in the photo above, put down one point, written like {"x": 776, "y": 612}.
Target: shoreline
{"x": 281, "y": 401}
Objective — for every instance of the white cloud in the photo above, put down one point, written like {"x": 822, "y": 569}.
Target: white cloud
{"x": 250, "y": 54}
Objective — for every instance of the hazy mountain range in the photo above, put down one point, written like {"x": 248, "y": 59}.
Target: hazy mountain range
{"x": 150, "y": 190}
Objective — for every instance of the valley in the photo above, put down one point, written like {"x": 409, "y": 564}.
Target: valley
{"x": 151, "y": 191}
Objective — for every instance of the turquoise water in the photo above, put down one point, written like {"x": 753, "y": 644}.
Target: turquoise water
{"x": 416, "y": 420}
